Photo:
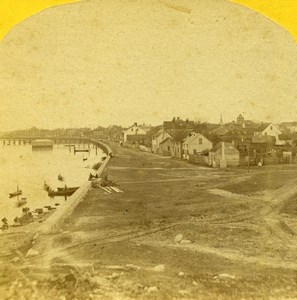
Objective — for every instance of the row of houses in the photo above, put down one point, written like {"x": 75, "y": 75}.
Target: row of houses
{"x": 242, "y": 142}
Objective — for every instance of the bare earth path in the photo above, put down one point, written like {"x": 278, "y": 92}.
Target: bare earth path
{"x": 180, "y": 231}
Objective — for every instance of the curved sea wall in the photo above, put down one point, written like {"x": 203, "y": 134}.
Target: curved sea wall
{"x": 53, "y": 223}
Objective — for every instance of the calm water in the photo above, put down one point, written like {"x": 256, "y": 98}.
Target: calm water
{"x": 21, "y": 166}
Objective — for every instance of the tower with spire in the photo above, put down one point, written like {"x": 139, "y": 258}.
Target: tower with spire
{"x": 221, "y": 120}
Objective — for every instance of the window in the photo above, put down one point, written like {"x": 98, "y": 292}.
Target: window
{"x": 168, "y": 148}
{"x": 200, "y": 141}
{"x": 271, "y": 127}
{"x": 194, "y": 151}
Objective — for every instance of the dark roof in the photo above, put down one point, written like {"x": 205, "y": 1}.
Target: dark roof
{"x": 178, "y": 124}
{"x": 180, "y": 134}
{"x": 263, "y": 126}
{"x": 158, "y": 132}
{"x": 285, "y": 137}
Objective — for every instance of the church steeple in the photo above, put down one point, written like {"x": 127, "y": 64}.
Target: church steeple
{"x": 221, "y": 120}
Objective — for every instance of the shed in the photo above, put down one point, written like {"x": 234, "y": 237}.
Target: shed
{"x": 223, "y": 153}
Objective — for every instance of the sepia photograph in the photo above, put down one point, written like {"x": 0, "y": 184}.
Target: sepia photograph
{"x": 148, "y": 149}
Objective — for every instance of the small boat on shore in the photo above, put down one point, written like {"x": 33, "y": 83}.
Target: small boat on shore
{"x": 60, "y": 177}
{"x": 16, "y": 193}
{"x": 22, "y": 201}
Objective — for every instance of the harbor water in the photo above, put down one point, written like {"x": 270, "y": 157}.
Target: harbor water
{"x": 28, "y": 169}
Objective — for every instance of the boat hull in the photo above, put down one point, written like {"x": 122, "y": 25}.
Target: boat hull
{"x": 18, "y": 193}
{"x": 61, "y": 193}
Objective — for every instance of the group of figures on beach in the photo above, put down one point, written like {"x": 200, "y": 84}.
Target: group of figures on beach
{"x": 25, "y": 218}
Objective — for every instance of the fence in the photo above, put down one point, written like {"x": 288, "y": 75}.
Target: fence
{"x": 199, "y": 159}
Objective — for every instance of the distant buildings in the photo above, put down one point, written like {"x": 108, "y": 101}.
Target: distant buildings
{"x": 195, "y": 143}
{"x": 178, "y": 123}
{"x": 158, "y": 138}
{"x": 135, "y": 133}
{"x": 269, "y": 130}
{"x": 224, "y": 155}
{"x": 241, "y": 142}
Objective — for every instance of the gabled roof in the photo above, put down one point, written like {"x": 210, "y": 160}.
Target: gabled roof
{"x": 180, "y": 134}
{"x": 218, "y": 146}
{"x": 160, "y": 132}
{"x": 193, "y": 135}
{"x": 164, "y": 141}
{"x": 263, "y": 126}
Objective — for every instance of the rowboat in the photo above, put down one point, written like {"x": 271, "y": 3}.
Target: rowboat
{"x": 22, "y": 201}
{"x": 16, "y": 193}
{"x": 67, "y": 188}
{"x": 61, "y": 193}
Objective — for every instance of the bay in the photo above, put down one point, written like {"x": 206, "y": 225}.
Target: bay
{"x": 29, "y": 169}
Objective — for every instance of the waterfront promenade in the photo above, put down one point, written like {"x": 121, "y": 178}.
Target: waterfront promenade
{"x": 179, "y": 230}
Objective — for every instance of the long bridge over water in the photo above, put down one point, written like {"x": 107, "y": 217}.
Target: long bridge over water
{"x": 8, "y": 140}
{"x": 23, "y": 140}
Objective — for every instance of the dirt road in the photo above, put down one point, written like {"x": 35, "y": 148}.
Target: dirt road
{"x": 176, "y": 231}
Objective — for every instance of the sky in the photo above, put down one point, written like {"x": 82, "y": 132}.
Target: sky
{"x": 100, "y": 62}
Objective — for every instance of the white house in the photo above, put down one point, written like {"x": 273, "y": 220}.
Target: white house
{"x": 158, "y": 138}
{"x": 270, "y": 130}
{"x": 195, "y": 143}
{"x": 134, "y": 130}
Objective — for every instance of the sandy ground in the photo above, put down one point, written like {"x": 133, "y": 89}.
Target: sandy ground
{"x": 177, "y": 231}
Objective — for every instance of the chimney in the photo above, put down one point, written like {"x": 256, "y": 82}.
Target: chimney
{"x": 135, "y": 123}
{"x": 173, "y": 120}
{"x": 177, "y": 118}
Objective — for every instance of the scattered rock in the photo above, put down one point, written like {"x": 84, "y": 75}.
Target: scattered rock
{"x": 15, "y": 259}
{"x": 131, "y": 267}
{"x": 70, "y": 278}
{"x": 181, "y": 274}
{"x": 113, "y": 276}
{"x": 152, "y": 289}
{"x": 158, "y": 268}
{"x": 185, "y": 242}
{"x": 32, "y": 252}
{"x": 178, "y": 238}
{"x": 184, "y": 293}
{"x": 194, "y": 282}
{"x": 226, "y": 276}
